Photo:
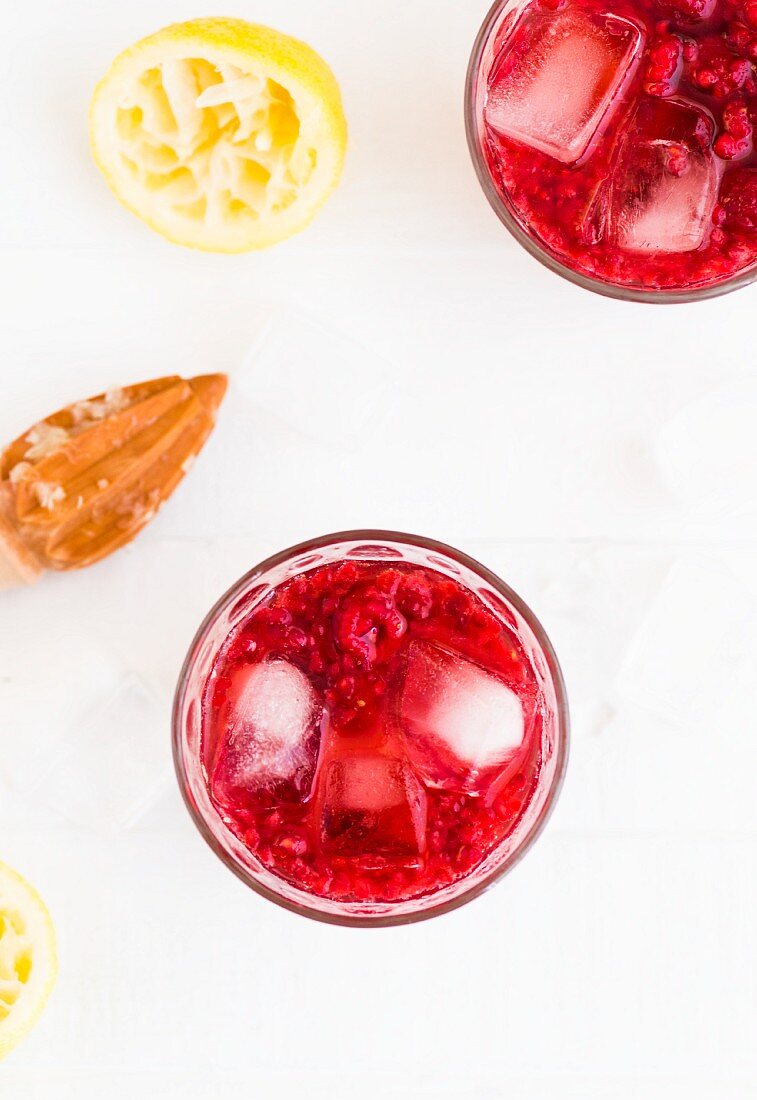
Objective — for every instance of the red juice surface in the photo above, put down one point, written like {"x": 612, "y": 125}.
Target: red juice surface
{"x": 372, "y": 732}
{"x": 620, "y": 135}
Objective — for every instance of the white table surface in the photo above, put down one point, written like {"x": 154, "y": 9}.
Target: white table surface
{"x": 568, "y": 442}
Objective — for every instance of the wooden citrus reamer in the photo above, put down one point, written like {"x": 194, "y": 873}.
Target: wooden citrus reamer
{"x": 84, "y": 481}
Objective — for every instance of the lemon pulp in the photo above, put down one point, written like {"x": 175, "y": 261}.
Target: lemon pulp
{"x": 28, "y": 961}
{"x": 220, "y": 134}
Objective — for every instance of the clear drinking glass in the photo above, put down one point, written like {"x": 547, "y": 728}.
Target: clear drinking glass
{"x": 500, "y": 24}
{"x": 254, "y": 587}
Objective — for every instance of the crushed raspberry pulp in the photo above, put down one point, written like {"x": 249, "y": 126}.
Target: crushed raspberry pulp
{"x": 695, "y": 56}
{"x": 371, "y": 815}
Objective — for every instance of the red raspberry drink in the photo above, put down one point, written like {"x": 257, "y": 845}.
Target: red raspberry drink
{"x": 370, "y": 728}
{"x": 615, "y": 140}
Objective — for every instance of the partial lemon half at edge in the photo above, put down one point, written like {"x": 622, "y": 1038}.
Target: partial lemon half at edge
{"x": 220, "y": 134}
{"x": 28, "y": 959}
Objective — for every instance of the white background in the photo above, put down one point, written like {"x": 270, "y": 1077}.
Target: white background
{"x": 599, "y": 456}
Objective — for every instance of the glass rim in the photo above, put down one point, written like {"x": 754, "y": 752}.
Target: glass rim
{"x": 529, "y": 243}
{"x": 381, "y": 920}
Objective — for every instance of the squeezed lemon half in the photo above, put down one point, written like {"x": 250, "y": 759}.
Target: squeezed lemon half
{"x": 28, "y": 960}
{"x": 220, "y": 134}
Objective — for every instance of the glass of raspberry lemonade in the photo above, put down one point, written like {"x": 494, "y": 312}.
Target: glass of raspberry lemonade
{"x": 615, "y": 140}
{"x": 370, "y": 728}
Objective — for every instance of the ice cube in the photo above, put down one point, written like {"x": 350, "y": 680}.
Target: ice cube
{"x": 708, "y": 451}
{"x": 373, "y": 805}
{"x": 55, "y": 670}
{"x": 558, "y": 76}
{"x": 682, "y": 661}
{"x": 110, "y": 769}
{"x": 268, "y": 730}
{"x": 459, "y": 719}
{"x": 665, "y": 180}
{"x": 319, "y": 402}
